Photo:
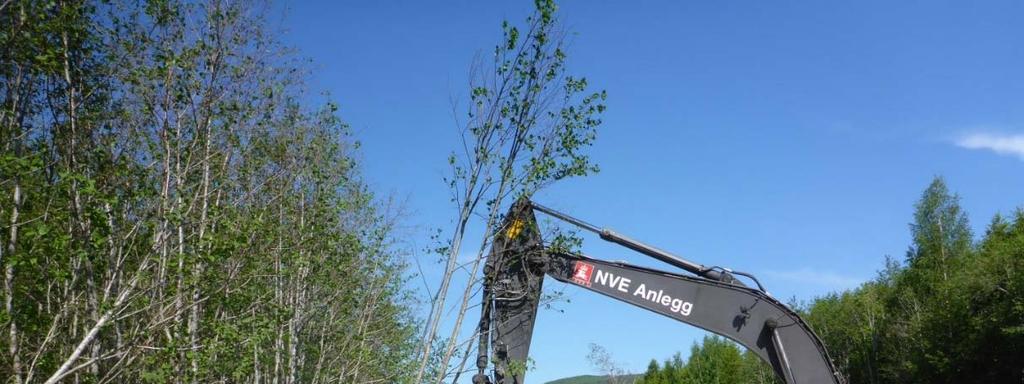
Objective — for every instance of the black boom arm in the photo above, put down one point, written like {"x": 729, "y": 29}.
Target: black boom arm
{"x": 518, "y": 262}
{"x": 745, "y": 315}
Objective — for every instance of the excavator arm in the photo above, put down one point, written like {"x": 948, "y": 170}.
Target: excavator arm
{"x": 711, "y": 299}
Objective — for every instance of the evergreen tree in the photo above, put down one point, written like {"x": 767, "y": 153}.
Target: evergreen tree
{"x": 951, "y": 314}
{"x": 650, "y": 376}
{"x": 713, "y": 360}
{"x": 989, "y": 296}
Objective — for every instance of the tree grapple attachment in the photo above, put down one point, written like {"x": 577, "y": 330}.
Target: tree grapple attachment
{"x": 513, "y": 279}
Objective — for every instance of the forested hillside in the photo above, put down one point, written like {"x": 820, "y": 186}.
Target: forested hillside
{"x": 174, "y": 210}
{"x": 951, "y": 312}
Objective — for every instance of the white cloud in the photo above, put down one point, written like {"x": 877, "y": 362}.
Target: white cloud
{"x": 825, "y": 279}
{"x": 1012, "y": 145}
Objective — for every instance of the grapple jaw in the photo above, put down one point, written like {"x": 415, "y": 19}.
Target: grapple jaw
{"x": 513, "y": 278}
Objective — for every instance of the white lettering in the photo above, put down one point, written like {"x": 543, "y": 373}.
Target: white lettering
{"x": 676, "y": 305}
{"x": 610, "y": 280}
{"x": 641, "y": 290}
{"x": 624, "y": 285}
{"x": 602, "y": 277}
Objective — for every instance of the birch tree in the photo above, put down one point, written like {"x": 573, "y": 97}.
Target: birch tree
{"x": 528, "y": 125}
{"x": 173, "y": 211}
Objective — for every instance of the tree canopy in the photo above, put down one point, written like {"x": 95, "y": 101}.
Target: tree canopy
{"x": 173, "y": 211}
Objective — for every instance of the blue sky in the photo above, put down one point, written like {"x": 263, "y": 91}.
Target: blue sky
{"x": 786, "y": 139}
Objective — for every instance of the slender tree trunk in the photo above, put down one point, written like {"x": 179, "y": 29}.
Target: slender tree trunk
{"x": 504, "y": 183}
{"x": 257, "y": 373}
{"x": 278, "y": 301}
{"x": 13, "y": 123}
{"x": 437, "y": 307}
{"x": 467, "y": 294}
{"x": 12, "y": 241}
{"x": 197, "y": 267}
{"x": 91, "y": 334}
{"x": 297, "y": 302}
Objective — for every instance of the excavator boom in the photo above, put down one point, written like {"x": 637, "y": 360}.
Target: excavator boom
{"x": 714, "y": 302}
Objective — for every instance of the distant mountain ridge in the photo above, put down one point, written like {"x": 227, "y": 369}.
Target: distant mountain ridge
{"x": 593, "y": 379}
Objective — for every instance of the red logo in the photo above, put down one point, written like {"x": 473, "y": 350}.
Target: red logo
{"x": 581, "y": 273}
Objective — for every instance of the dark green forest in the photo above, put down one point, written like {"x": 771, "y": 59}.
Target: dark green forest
{"x": 592, "y": 379}
{"x": 713, "y": 360}
{"x": 951, "y": 311}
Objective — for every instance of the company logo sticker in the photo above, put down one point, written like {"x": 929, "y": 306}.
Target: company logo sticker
{"x": 581, "y": 273}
